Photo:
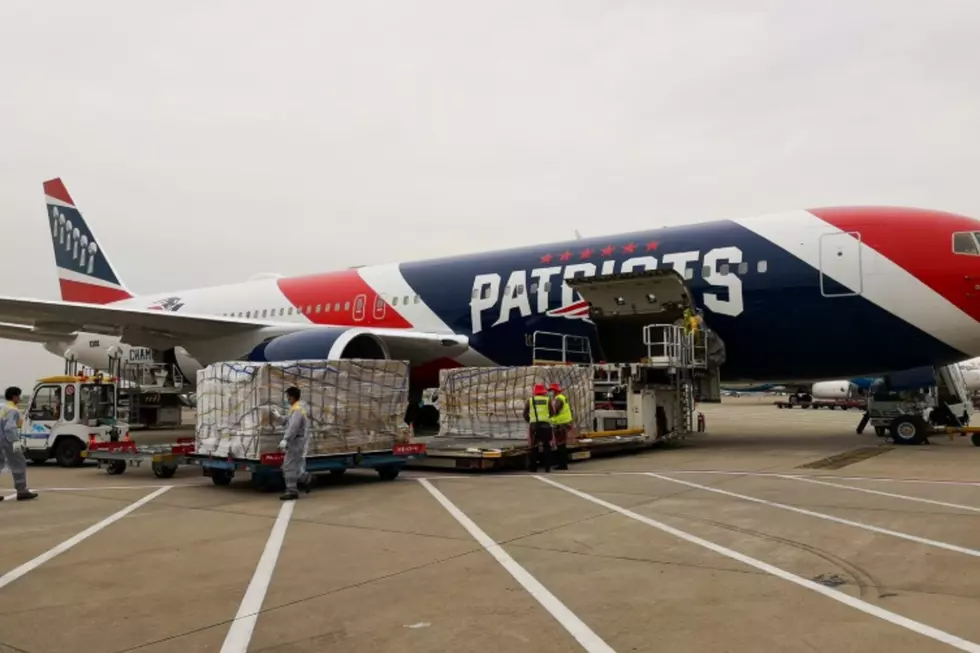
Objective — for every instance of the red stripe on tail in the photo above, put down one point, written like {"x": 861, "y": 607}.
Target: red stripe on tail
{"x": 87, "y": 293}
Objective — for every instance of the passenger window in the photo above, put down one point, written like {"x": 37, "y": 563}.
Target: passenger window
{"x": 394, "y": 301}
{"x": 485, "y": 292}
{"x": 743, "y": 268}
{"x": 290, "y": 311}
{"x": 281, "y": 311}
{"x": 533, "y": 288}
{"x": 248, "y": 313}
{"x": 762, "y": 266}
{"x": 405, "y": 301}
{"x": 336, "y": 306}
{"x": 265, "y": 312}
{"x": 706, "y": 271}
{"x": 346, "y": 306}
{"x": 476, "y": 293}
{"x": 688, "y": 273}
{"x": 318, "y": 307}
{"x": 417, "y": 298}
{"x": 964, "y": 243}
{"x": 47, "y": 403}
{"x": 725, "y": 268}
{"x": 520, "y": 289}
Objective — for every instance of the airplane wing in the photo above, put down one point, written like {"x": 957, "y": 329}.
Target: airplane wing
{"x": 21, "y": 333}
{"x": 38, "y": 320}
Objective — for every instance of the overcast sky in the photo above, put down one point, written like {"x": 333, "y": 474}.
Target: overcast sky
{"x": 208, "y": 140}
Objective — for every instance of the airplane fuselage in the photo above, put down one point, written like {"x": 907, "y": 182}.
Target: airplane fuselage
{"x": 793, "y": 297}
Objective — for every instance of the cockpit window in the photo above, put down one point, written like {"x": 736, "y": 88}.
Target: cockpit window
{"x": 965, "y": 243}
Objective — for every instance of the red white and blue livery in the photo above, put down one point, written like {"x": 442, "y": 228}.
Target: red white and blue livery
{"x": 803, "y": 295}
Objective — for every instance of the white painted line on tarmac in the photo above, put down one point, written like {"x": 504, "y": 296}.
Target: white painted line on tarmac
{"x": 30, "y": 565}
{"x": 240, "y": 633}
{"x": 906, "y": 497}
{"x": 584, "y": 635}
{"x": 820, "y": 515}
{"x": 841, "y": 597}
{"x": 770, "y": 475}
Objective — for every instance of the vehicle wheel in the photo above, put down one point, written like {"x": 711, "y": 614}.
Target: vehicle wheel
{"x": 975, "y": 439}
{"x": 881, "y": 431}
{"x": 221, "y": 476}
{"x": 68, "y": 452}
{"x": 161, "y": 470}
{"x": 115, "y": 467}
{"x": 388, "y": 473}
{"x": 908, "y": 430}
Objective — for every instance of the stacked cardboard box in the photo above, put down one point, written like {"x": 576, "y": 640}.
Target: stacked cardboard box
{"x": 489, "y": 402}
{"x": 352, "y": 405}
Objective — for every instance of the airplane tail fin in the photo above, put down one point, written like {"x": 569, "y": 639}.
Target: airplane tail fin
{"x": 84, "y": 272}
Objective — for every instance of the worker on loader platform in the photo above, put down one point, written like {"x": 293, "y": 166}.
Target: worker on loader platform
{"x": 295, "y": 442}
{"x": 561, "y": 424}
{"x": 538, "y": 412}
{"x": 11, "y": 447}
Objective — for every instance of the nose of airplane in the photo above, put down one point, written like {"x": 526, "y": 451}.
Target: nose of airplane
{"x": 921, "y": 264}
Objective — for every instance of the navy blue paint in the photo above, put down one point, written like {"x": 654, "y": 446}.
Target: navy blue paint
{"x": 301, "y": 345}
{"x": 64, "y": 256}
{"x": 787, "y": 330}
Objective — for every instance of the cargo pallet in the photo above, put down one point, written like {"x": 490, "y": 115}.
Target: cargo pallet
{"x": 487, "y": 454}
{"x": 164, "y": 459}
{"x": 266, "y": 471}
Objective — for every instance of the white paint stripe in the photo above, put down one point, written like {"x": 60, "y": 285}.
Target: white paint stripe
{"x": 72, "y": 275}
{"x": 54, "y": 201}
{"x": 884, "y": 282}
{"x": 820, "y": 515}
{"x": 884, "y": 494}
{"x": 388, "y": 281}
{"x": 240, "y": 633}
{"x": 584, "y": 635}
{"x": 846, "y": 599}
{"x": 30, "y": 565}
{"x": 876, "y": 479}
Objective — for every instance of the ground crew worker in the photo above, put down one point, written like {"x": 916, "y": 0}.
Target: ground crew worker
{"x": 11, "y": 447}
{"x": 538, "y": 412}
{"x": 561, "y": 424}
{"x": 295, "y": 442}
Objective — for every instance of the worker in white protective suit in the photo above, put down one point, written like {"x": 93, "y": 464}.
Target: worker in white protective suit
{"x": 11, "y": 446}
{"x": 295, "y": 442}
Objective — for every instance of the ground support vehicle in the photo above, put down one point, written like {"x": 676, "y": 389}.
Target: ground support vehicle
{"x": 116, "y": 457}
{"x": 910, "y": 406}
{"x": 65, "y": 413}
{"x": 266, "y": 472}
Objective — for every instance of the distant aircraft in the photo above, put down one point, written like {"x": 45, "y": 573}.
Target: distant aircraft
{"x": 797, "y": 297}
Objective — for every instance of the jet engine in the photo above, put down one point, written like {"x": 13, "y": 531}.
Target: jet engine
{"x": 833, "y": 390}
{"x": 331, "y": 343}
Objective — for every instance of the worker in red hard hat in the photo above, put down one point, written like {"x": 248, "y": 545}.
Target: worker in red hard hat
{"x": 538, "y": 412}
{"x": 561, "y": 423}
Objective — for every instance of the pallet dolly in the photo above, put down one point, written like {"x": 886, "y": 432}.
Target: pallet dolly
{"x": 117, "y": 456}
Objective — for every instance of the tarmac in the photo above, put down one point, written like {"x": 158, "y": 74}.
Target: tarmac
{"x": 777, "y": 530}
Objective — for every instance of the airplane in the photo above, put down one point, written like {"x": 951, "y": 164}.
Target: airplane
{"x": 797, "y": 297}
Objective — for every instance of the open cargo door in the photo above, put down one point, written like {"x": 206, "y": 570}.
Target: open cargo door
{"x": 621, "y": 305}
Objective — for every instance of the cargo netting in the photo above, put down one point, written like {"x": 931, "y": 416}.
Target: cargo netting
{"x": 489, "y": 402}
{"x": 353, "y": 405}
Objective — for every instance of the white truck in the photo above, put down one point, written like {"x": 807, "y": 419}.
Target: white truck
{"x": 67, "y": 412}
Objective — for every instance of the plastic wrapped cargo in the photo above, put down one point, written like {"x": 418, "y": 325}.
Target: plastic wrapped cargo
{"x": 353, "y": 405}
{"x": 489, "y": 402}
